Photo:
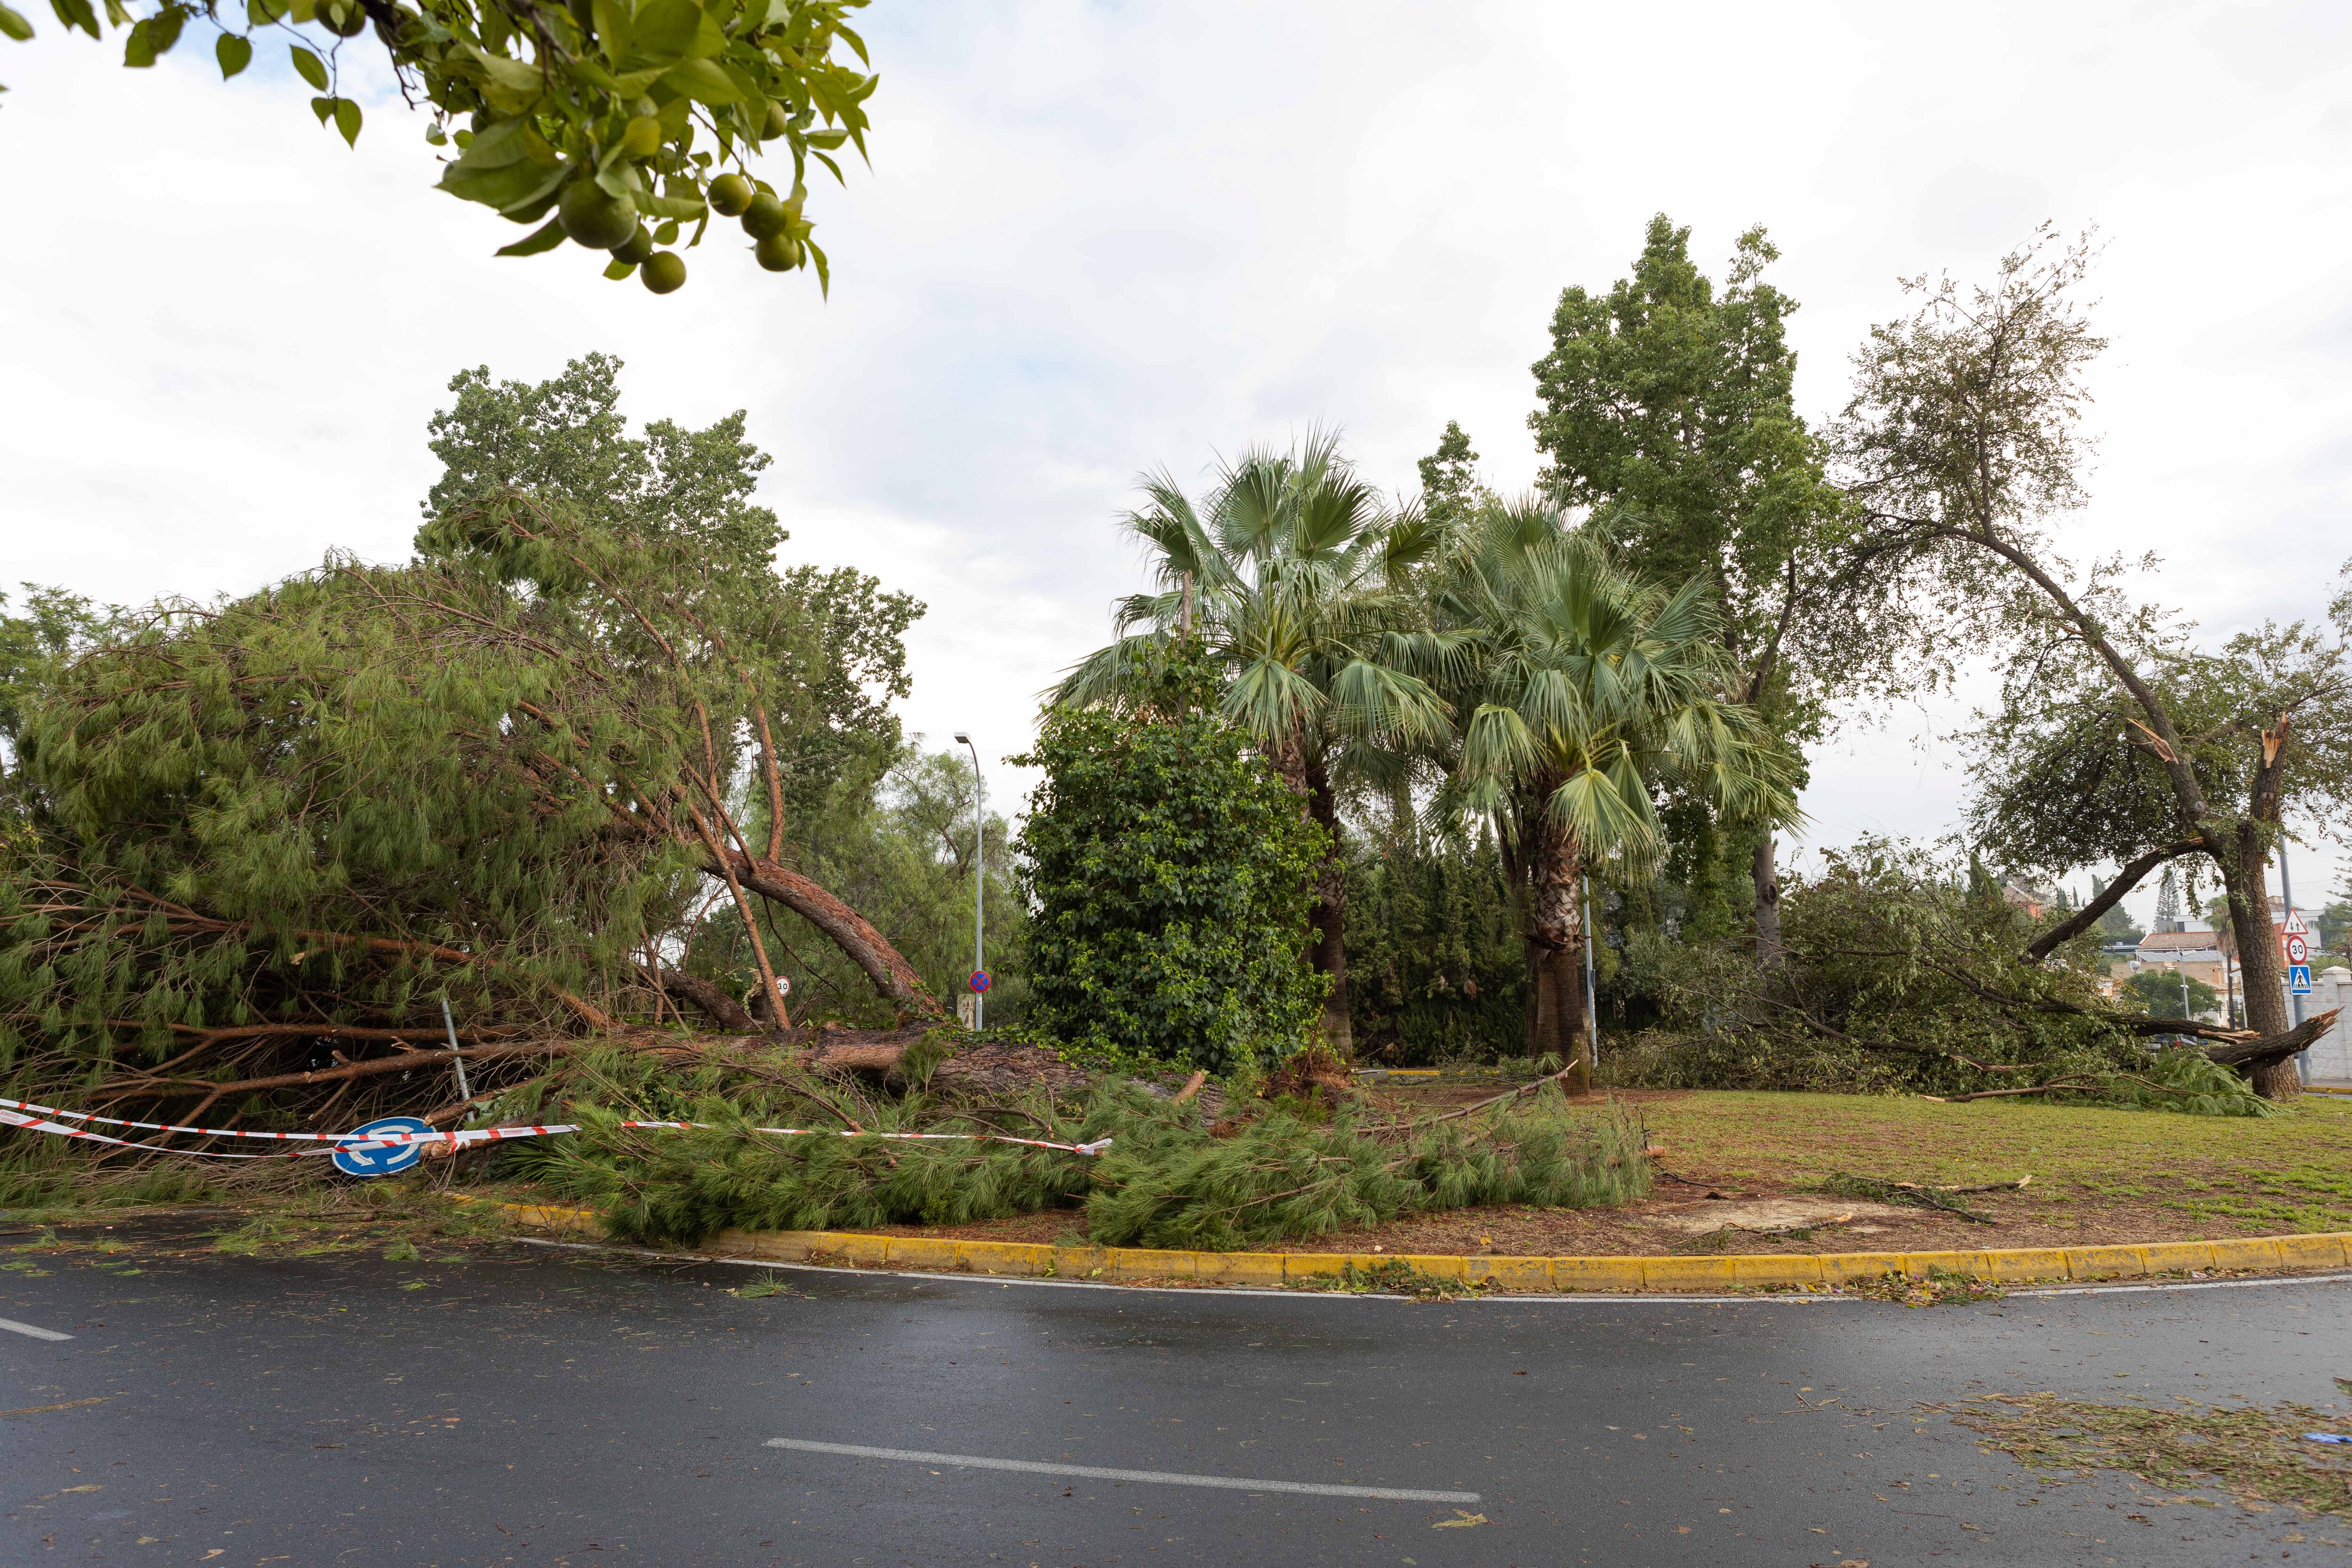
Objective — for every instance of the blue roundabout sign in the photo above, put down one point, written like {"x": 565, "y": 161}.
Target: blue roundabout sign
{"x": 385, "y": 1160}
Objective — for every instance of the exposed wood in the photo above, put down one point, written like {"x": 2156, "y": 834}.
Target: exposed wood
{"x": 2261, "y": 1050}
{"x": 1191, "y": 1086}
{"x": 722, "y": 1009}
{"x": 892, "y": 976}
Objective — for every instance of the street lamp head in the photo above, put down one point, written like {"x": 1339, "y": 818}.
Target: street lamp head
{"x": 962, "y": 738}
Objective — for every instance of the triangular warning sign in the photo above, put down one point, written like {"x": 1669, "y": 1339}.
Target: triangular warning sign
{"x": 2295, "y": 926}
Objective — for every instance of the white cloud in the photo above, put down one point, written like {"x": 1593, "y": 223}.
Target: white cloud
{"x": 1098, "y": 239}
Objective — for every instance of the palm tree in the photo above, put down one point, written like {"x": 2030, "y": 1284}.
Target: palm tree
{"x": 1586, "y": 693}
{"x": 1294, "y": 577}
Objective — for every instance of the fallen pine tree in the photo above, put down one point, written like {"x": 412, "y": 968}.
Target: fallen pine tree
{"x": 257, "y": 847}
{"x": 1178, "y": 1171}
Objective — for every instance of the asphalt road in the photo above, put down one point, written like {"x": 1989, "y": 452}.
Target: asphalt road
{"x": 546, "y": 1407}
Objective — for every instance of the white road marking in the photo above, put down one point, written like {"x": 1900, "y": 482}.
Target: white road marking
{"x": 1097, "y": 1472}
{"x": 15, "y": 1327}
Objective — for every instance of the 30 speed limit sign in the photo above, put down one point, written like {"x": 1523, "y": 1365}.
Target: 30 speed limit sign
{"x": 2299, "y": 948}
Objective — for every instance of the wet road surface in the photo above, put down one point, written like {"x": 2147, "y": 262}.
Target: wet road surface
{"x": 535, "y": 1405}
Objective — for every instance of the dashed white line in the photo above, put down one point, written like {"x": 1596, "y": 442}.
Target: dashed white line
{"x": 15, "y": 1327}
{"x": 1100, "y": 1473}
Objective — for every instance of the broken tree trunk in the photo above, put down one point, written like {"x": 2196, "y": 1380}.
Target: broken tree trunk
{"x": 722, "y": 1009}
{"x": 892, "y": 976}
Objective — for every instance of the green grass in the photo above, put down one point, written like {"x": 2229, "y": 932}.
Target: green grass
{"x": 2287, "y": 1172}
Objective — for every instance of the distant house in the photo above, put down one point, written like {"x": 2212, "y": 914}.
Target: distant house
{"x": 2196, "y": 954}
{"x": 2031, "y": 899}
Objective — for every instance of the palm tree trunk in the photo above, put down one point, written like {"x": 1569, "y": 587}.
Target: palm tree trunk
{"x": 1326, "y": 917}
{"x": 1555, "y": 945}
{"x": 1770, "y": 953}
{"x": 1329, "y": 951}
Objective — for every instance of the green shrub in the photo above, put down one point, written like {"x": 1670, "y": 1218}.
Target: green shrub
{"x": 1168, "y": 868}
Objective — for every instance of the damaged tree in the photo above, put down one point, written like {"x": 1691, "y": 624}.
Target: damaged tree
{"x": 2117, "y": 737}
{"x": 259, "y": 832}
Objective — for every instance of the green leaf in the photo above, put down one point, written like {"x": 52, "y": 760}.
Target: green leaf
{"x": 620, "y": 269}
{"x": 14, "y": 24}
{"x": 312, "y": 68}
{"x": 823, "y": 272}
{"x": 139, "y": 49}
{"x": 164, "y": 29}
{"x": 546, "y": 237}
{"x": 261, "y": 13}
{"x": 324, "y": 107}
{"x": 76, "y": 14}
{"x": 701, "y": 81}
{"x": 680, "y": 208}
{"x": 235, "y": 53}
{"x": 666, "y": 234}
{"x": 614, "y": 32}
{"x": 678, "y": 29}
{"x": 347, "y": 120}
{"x": 509, "y": 166}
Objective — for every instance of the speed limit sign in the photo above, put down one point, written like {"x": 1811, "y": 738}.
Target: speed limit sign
{"x": 2299, "y": 948}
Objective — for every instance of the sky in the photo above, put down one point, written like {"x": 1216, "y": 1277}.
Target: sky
{"x": 1098, "y": 239}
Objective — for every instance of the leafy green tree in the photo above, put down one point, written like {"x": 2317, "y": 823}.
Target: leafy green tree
{"x": 2159, "y": 991}
{"x": 512, "y": 772}
{"x": 2167, "y": 899}
{"x": 1450, "y": 488}
{"x": 1584, "y": 691}
{"x": 1668, "y": 409}
{"x": 566, "y": 440}
{"x": 1294, "y": 577}
{"x": 585, "y": 115}
{"x": 2115, "y": 923}
{"x": 1170, "y": 872}
{"x": 1433, "y": 949}
{"x": 2116, "y": 737}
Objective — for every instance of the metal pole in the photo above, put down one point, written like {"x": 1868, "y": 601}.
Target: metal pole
{"x": 1591, "y": 1010}
{"x": 2293, "y": 1002}
{"x": 450, "y": 1022}
{"x": 978, "y": 874}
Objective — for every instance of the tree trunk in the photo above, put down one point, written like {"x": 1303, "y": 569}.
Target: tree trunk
{"x": 892, "y": 976}
{"x": 1555, "y": 939}
{"x": 1329, "y": 951}
{"x": 1327, "y": 933}
{"x": 1770, "y": 953}
{"x": 2258, "y": 958}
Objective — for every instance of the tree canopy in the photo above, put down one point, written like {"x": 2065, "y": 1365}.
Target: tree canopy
{"x": 1169, "y": 870}
{"x": 505, "y": 773}
{"x": 586, "y": 116}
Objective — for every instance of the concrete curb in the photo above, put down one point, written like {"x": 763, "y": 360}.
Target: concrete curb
{"x": 1037, "y": 1261}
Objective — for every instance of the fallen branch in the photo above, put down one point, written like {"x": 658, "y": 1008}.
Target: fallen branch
{"x": 165, "y": 1088}
{"x": 1911, "y": 1192}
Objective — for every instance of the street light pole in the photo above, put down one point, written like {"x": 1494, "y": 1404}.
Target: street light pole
{"x": 979, "y": 873}
{"x": 2293, "y": 1002}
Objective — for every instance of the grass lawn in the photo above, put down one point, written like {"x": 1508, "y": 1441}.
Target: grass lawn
{"x": 2231, "y": 1175}
{"x": 2099, "y": 1177}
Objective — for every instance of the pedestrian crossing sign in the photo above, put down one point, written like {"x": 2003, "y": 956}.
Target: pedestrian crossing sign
{"x": 2298, "y": 979}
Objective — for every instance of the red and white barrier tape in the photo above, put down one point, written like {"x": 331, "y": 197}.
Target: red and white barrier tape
{"x": 41, "y": 1119}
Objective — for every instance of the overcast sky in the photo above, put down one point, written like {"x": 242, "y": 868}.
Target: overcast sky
{"x": 1102, "y": 238}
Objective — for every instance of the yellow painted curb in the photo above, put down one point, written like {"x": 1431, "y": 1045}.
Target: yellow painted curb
{"x": 1039, "y": 1260}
